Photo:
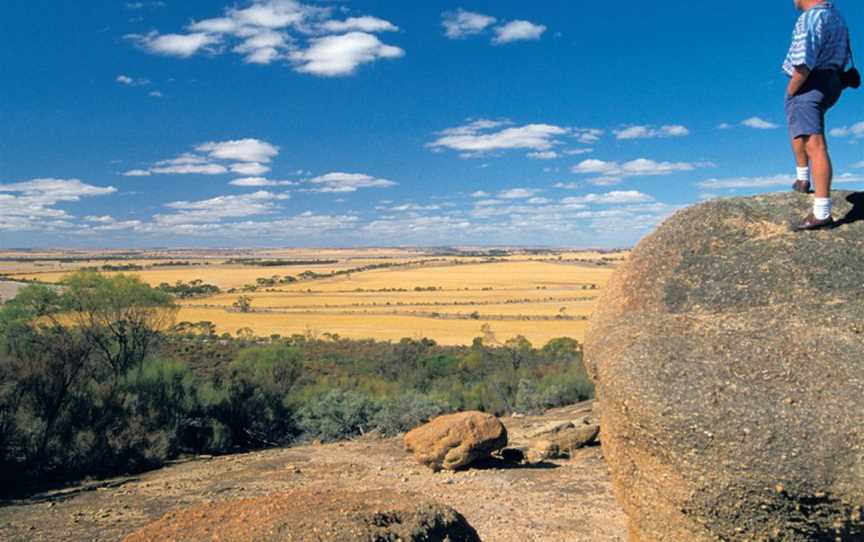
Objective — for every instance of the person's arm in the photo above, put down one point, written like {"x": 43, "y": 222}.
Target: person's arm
{"x": 799, "y": 77}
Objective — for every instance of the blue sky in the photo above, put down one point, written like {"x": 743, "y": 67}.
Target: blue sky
{"x": 281, "y": 123}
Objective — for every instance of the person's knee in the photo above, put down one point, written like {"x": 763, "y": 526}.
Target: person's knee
{"x": 816, "y": 143}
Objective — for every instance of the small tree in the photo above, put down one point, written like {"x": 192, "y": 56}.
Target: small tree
{"x": 243, "y": 303}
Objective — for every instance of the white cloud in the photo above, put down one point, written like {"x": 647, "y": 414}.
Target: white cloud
{"x": 480, "y": 194}
{"x": 260, "y": 182}
{"x": 154, "y": 94}
{"x": 348, "y": 182}
{"x": 856, "y": 130}
{"x": 612, "y": 171}
{"x": 241, "y": 150}
{"x": 29, "y": 205}
{"x": 181, "y": 45}
{"x": 363, "y": 24}
{"x": 461, "y": 23}
{"x": 746, "y": 182}
{"x": 646, "y": 132}
{"x": 544, "y": 155}
{"x": 137, "y": 173}
{"x": 617, "y": 197}
{"x": 188, "y": 169}
{"x": 724, "y": 126}
{"x": 735, "y": 183}
{"x": 576, "y": 152}
{"x": 476, "y": 137}
{"x": 221, "y": 207}
{"x": 758, "y": 124}
{"x": 125, "y": 80}
{"x": 518, "y": 193}
{"x": 304, "y": 36}
{"x": 518, "y": 31}
{"x": 249, "y": 168}
{"x": 249, "y": 156}
{"x": 334, "y": 56}
{"x": 587, "y": 135}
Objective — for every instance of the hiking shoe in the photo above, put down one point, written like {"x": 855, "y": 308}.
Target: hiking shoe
{"x": 813, "y": 223}
{"x": 801, "y": 186}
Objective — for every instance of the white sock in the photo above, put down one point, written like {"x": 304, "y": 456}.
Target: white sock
{"x": 822, "y": 208}
{"x": 803, "y": 174}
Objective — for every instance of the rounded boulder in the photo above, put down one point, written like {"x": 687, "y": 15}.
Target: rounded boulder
{"x": 728, "y": 355}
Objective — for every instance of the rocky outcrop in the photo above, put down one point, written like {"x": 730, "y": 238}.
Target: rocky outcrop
{"x": 456, "y": 440}
{"x": 559, "y": 439}
{"x": 728, "y": 355}
{"x": 319, "y": 516}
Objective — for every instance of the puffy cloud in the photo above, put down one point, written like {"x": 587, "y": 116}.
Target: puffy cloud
{"x": 334, "y": 56}
{"x": 182, "y": 45}
{"x": 518, "y": 193}
{"x": 282, "y": 30}
{"x": 614, "y": 171}
{"x": 518, "y": 31}
{"x": 221, "y": 207}
{"x": 348, "y": 182}
{"x": 543, "y": 155}
{"x": 250, "y": 168}
{"x": 241, "y": 150}
{"x": 646, "y": 132}
{"x": 461, "y": 23}
{"x": 260, "y": 182}
{"x": 758, "y": 124}
{"x": 29, "y": 205}
{"x": 617, "y": 197}
{"x": 856, "y": 130}
{"x": 587, "y": 135}
{"x": 249, "y": 156}
{"x": 768, "y": 181}
{"x": 480, "y": 136}
{"x": 363, "y": 24}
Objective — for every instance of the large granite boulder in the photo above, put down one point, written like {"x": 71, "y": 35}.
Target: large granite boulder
{"x": 313, "y": 516}
{"x": 728, "y": 355}
{"x": 456, "y": 440}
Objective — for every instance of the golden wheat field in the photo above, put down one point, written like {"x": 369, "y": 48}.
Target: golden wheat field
{"x": 448, "y": 298}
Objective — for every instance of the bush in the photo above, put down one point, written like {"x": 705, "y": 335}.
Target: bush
{"x": 406, "y": 412}
{"x": 337, "y": 415}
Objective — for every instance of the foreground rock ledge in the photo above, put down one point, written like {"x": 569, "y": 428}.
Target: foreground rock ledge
{"x": 728, "y": 355}
{"x": 306, "y": 516}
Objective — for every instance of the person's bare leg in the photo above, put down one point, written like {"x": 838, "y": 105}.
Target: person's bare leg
{"x": 820, "y": 164}
{"x": 799, "y": 147}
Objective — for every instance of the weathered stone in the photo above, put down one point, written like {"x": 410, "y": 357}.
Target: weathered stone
{"x": 319, "y": 516}
{"x": 456, "y": 440}
{"x": 727, "y": 353}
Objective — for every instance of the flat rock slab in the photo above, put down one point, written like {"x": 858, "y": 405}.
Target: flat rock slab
{"x": 319, "y": 516}
{"x": 728, "y": 354}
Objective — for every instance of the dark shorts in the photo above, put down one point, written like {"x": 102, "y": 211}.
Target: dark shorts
{"x": 805, "y": 111}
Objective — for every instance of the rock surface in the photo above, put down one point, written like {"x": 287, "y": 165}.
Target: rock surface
{"x": 504, "y": 502}
{"x": 729, "y": 358}
{"x": 456, "y": 440}
{"x": 313, "y": 516}
{"x": 560, "y": 439}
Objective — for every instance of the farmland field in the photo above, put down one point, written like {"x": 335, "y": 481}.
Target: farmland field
{"x": 382, "y": 294}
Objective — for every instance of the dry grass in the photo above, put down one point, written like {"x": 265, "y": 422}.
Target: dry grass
{"x": 520, "y": 295}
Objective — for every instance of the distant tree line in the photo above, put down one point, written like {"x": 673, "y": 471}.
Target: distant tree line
{"x": 97, "y": 378}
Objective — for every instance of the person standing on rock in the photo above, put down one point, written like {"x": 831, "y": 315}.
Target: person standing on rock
{"x": 817, "y": 57}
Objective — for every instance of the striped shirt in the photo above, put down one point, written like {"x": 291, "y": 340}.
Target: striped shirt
{"x": 820, "y": 40}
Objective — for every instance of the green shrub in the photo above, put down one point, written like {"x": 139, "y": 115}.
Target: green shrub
{"x": 337, "y": 415}
{"x": 406, "y": 412}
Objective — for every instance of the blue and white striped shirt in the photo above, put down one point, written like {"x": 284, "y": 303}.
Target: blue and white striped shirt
{"x": 820, "y": 40}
